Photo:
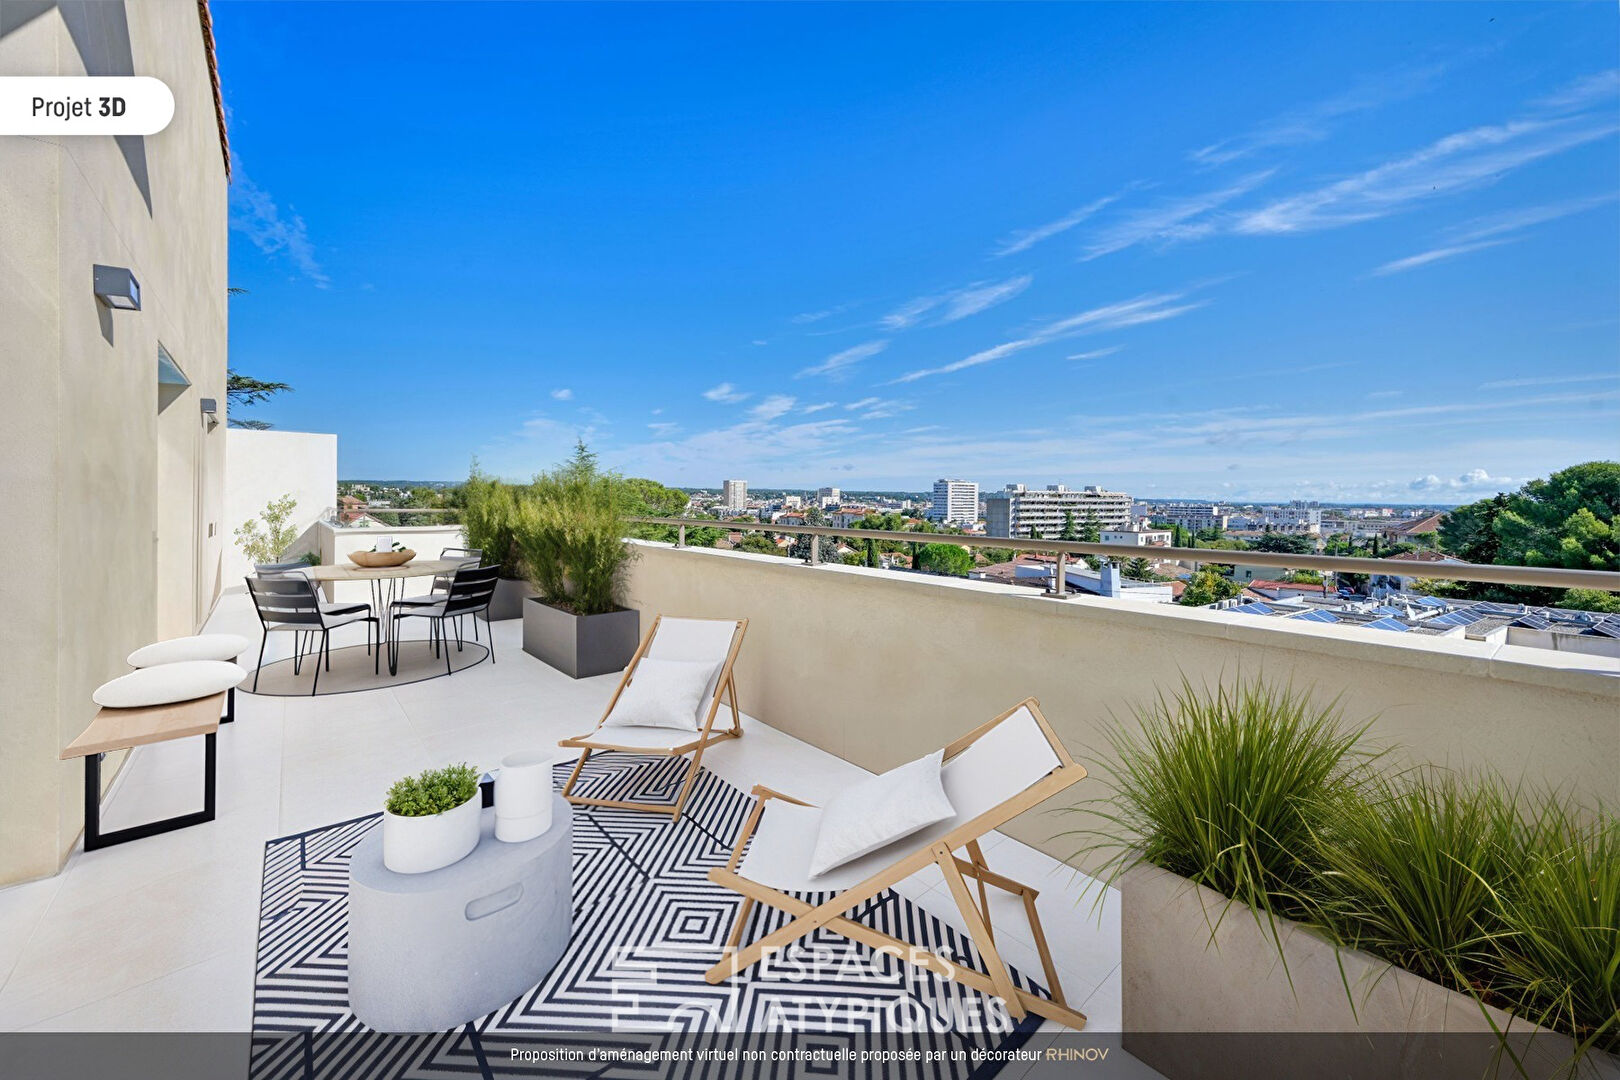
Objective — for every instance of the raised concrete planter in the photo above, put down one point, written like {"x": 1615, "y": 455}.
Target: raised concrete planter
{"x": 580, "y": 645}
{"x": 507, "y": 602}
{"x": 1193, "y": 964}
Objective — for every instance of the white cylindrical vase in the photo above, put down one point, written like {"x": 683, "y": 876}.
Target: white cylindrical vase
{"x": 523, "y": 796}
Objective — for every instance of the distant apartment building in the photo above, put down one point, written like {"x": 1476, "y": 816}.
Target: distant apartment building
{"x": 828, "y": 497}
{"x": 1297, "y": 516}
{"x": 956, "y": 502}
{"x": 1137, "y": 537}
{"x": 1194, "y": 517}
{"x": 1023, "y": 511}
{"x": 734, "y": 496}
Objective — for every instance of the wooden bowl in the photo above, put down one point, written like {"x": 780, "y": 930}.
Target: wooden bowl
{"x": 370, "y": 560}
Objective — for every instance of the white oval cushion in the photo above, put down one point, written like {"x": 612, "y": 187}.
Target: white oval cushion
{"x": 199, "y": 647}
{"x": 168, "y": 683}
{"x": 663, "y": 694}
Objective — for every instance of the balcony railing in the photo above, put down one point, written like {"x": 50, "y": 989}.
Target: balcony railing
{"x": 1548, "y": 577}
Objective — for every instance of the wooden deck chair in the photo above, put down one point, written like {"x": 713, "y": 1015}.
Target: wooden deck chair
{"x": 991, "y": 775}
{"x": 669, "y": 639}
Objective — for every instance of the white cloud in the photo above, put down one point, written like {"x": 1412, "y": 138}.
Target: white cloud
{"x": 1173, "y": 221}
{"x": 1150, "y": 308}
{"x": 1024, "y": 239}
{"x": 808, "y": 409}
{"x": 1424, "y": 258}
{"x": 1472, "y": 480}
{"x": 1583, "y": 91}
{"x": 563, "y": 394}
{"x": 836, "y": 364}
{"x": 1096, "y": 354}
{"x": 255, "y": 214}
{"x": 726, "y": 393}
{"x": 1553, "y": 380}
{"x": 948, "y": 307}
{"x": 1457, "y": 162}
{"x": 663, "y": 429}
{"x": 1311, "y": 123}
{"x": 772, "y": 407}
{"x": 863, "y": 403}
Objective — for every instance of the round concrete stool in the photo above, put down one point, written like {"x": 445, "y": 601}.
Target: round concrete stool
{"x": 429, "y": 952}
{"x": 197, "y": 647}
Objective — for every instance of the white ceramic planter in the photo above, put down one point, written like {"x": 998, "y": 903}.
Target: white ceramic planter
{"x": 419, "y": 845}
{"x": 523, "y": 796}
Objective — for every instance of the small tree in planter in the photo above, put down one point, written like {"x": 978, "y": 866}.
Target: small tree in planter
{"x": 431, "y": 820}
{"x": 263, "y": 540}
{"x": 488, "y": 516}
{"x": 570, "y": 534}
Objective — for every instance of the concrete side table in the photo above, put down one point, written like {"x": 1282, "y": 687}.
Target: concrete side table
{"x": 428, "y": 952}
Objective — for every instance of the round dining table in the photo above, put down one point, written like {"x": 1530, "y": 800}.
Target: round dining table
{"x": 387, "y": 582}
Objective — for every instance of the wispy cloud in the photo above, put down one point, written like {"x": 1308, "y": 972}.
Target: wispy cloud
{"x": 664, "y": 428}
{"x": 1457, "y": 162}
{"x": 772, "y": 407}
{"x": 1472, "y": 480}
{"x": 562, "y": 394}
{"x": 804, "y": 318}
{"x": 1024, "y": 239}
{"x": 1096, "y": 354}
{"x": 948, "y": 307}
{"x": 1492, "y": 230}
{"x": 1434, "y": 255}
{"x": 1312, "y": 123}
{"x": 865, "y": 402}
{"x": 725, "y": 393}
{"x": 1187, "y": 218}
{"x": 1150, "y": 308}
{"x": 818, "y": 407}
{"x": 255, "y": 214}
{"x": 838, "y": 363}
{"x": 1583, "y": 91}
{"x": 1551, "y": 380}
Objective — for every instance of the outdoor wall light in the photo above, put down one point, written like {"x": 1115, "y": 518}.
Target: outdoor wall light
{"x": 117, "y": 288}
{"x": 210, "y": 409}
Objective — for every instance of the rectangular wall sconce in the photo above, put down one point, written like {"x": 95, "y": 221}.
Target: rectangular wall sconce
{"x": 210, "y": 409}
{"x": 117, "y": 288}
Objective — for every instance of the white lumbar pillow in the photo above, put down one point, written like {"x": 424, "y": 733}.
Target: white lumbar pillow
{"x": 168, "y": 683}
{"x": 876, "y": 812}
{"x": 199, "y": 647}
{"x": 663, "y": 694}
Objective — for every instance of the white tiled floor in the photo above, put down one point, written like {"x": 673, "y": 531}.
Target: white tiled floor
{"x": 159, "y": 934}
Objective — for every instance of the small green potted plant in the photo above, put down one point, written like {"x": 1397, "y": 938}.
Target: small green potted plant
{"x": 431, "y": 820}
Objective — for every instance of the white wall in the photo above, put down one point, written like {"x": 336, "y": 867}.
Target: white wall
{"x": 265, "y": 465}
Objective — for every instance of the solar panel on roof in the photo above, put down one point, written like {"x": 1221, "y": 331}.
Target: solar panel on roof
{"x": 1318, "y": 616}
{"x": 1388, "y": 624}
{"x": 1535, "y": 622}
{"x": 1609, "y": 628}
{"x": 1429, "y": 601}
{"x": 1253, "y": 609}
{"x": 1454, "y": 618}
{"x": 1385, "y": 609}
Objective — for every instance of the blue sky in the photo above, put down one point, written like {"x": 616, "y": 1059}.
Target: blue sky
{"x": 1232, "y": 251}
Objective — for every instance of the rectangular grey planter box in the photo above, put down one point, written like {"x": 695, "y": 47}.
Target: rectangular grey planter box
{"x": 1191, "y": 964}
{"x": 507, "y": 603}
{"x": 580, "y": 645}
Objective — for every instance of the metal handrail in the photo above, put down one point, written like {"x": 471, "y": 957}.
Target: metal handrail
{"x": 1549, "y": 577}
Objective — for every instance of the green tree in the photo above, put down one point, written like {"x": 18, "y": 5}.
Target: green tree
{"x": 264, "y": 540}
{"x": 1090, "y": 530}
{"x": 758, "y": 543}
{"x": 244, "y": 391}
{"x": 1139, "y": 569}
{"x": 1070, "y": 530}
{"x": 945, "y": 559}
{"x": 1283, "y": 543}
{"x": 1591, "y": 600}
{"x": 1208, "y": 587}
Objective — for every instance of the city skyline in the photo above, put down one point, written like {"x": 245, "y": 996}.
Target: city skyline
{"x": 1297, "y": 253}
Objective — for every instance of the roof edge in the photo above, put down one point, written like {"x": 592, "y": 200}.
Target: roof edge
{"x": 206, "y": 20}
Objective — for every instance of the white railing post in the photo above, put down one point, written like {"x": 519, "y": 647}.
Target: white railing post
{"x": 680, "y": 536}
{"x": 815, "y": 549}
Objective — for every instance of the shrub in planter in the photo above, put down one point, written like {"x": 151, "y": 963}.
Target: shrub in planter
{"x": 431, "y": 820}
{"x": 570, "y": 535}
{"x": 487, "y": 519}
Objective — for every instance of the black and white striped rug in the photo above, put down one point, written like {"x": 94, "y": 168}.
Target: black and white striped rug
{"x": 647, "y": 924}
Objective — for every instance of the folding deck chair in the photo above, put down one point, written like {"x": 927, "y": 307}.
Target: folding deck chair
{"x": 991, "y": 775}
{"x": 669, "y": 639}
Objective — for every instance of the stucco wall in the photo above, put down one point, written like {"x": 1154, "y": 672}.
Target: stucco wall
{"x": 120, "y": 503}
{"x": 880, "y": 668}
{"x": 264, "y": 465}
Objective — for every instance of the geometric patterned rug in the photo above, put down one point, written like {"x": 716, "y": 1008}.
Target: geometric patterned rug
{"x": 647, "y": 924}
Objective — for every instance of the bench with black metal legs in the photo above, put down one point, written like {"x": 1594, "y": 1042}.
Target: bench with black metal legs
{"x": 471, "y": 590}
{"x": 122, "y": 729}
{"x": 291, "y": 603}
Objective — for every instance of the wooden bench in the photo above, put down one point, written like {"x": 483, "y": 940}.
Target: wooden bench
{"x": 122, "y": 729}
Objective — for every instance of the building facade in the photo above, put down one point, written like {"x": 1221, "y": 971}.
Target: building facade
{"x": 1023, "y": 511}
{"x": 734, "y": 496}
{"x": 828, "y": 497}
{"x": 1194, "y": 517}
{"x": 956, "y": 502}
{"x": 105, "y": 409}
{"x": 1137, "y": 537}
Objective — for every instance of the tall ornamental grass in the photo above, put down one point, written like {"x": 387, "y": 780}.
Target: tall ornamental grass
{"x": 570, "y": 531}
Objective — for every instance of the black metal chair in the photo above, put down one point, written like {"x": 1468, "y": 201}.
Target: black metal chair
{"x": 441, "y": 582}
{"x": 289, "y": 602}
{"x": 471, "y": 590}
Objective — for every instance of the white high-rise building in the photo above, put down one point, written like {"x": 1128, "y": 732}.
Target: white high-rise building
{"x": 828, "y": 497}
{"x": 1021, "y": 511}
{"x": 1194, "y": 517}
{"x": 734, "y": 496}
{"x": 956, "y": 502}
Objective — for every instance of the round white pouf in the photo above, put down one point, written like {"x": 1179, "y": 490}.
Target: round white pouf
{"x": 199, "y": 647}
{"x": 168, "y": 683}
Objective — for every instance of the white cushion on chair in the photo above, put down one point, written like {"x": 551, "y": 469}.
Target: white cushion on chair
{"x": 663, "y": 694}
{"x": 168, "y": 683}
{"x": 878, "y": 811}
{"x": 199, "y": 647}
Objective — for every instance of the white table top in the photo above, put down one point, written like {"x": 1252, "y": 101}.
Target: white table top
{"x": 347, "y": 571}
